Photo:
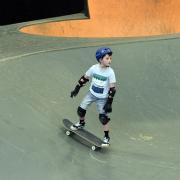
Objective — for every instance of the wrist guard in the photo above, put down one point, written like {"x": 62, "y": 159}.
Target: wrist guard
{"x": 75, "y": 91}
{"x": 108, "y": 106}
{"x": 112, "y": 92}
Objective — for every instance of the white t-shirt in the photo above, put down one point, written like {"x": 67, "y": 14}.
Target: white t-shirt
{"x": 101, "y": 78}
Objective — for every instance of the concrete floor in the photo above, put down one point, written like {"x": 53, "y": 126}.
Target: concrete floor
{"x": 36, "y": 77}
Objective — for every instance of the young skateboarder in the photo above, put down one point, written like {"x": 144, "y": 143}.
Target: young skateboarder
{"x": 101, "y": 91}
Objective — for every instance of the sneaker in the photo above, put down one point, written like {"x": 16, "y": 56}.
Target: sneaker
{"x": 106, "y": 140}
{"x": 77, "y": 126}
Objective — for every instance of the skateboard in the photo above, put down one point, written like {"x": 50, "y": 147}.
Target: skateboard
{"x": 94, "y": 141}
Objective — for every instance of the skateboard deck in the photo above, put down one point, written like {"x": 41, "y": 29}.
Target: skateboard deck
{"x": 84, "y": 134}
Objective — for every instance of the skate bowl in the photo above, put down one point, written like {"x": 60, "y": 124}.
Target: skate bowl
{"x": 37, "y": 74}
{"x": 35, "y": 97}
{"x": 116, "y": 18}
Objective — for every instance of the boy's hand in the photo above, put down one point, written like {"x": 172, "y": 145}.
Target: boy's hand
{"x": 75, "y": 91}
{"x": 108, "y": 107}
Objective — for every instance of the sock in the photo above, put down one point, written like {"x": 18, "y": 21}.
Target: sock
{"x": 82, "y": 121}
{"x": 106, "y": 133}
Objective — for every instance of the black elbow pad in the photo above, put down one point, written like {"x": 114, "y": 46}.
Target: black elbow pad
{"x": 82, "y": 81}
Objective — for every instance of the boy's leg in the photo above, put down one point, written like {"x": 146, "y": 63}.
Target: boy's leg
{"x": 106, "y": 127}
{"x": 81, "y": 113}
{"x": 104, "y": 119}
{"x": 86, "y": 102}
{"x": 81, "y": 110}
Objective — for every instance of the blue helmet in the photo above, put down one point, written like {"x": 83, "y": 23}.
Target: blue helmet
{"x": 101, "y": 52}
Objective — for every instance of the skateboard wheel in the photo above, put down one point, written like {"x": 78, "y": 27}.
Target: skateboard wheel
{"x": 68, "y": 133}
{"x": 93, "y": 148}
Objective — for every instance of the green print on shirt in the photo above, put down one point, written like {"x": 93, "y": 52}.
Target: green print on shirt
{"x": 99, "y": 77}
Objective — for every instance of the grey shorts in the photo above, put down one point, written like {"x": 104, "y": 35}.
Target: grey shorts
{"x": 90, "y": 98}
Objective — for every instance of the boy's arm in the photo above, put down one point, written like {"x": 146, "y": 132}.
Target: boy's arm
{"x": 82, "y": 81}
{"x": 111, "y": 94}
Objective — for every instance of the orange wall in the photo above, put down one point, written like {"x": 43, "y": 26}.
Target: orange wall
{"x": 117, "y": 18}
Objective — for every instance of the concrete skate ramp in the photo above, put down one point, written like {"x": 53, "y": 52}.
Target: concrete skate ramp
{"x": 145, "y": 122}
{"x": 37, "y": 75}
{"x": 117, "y": 18}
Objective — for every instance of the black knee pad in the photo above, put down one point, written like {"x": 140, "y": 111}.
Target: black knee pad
{"x": 81, "y": 112}
{"x": 104, "y": 119}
